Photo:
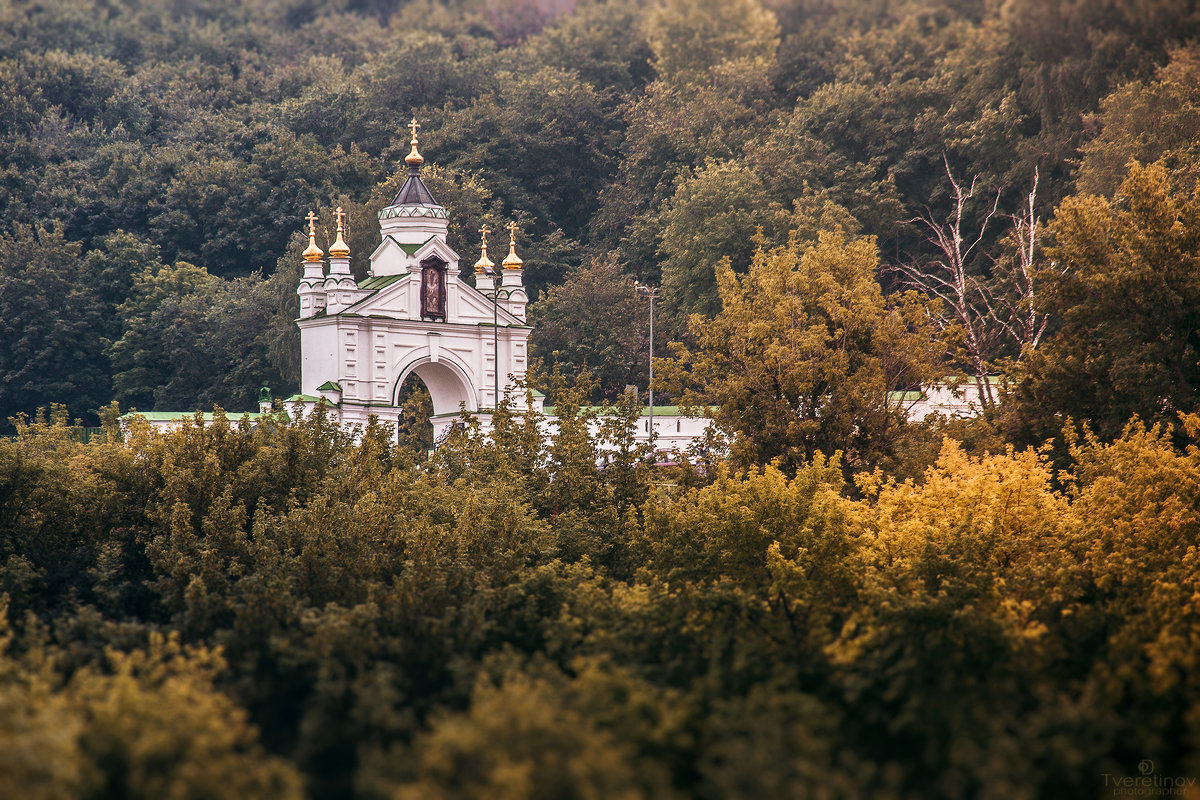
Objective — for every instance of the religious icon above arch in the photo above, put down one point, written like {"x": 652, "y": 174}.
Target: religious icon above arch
{"x": 433, "y": 289}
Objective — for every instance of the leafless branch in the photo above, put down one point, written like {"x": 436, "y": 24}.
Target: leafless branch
{"x": 1018, "y": 313}
{"x": 967, "y": 302}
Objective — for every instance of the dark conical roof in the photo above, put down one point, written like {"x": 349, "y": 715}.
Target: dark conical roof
{"x": 414, "y": 192}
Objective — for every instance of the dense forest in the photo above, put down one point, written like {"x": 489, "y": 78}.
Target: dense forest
{"x": 842, "y": 201}
{"x": 158, "y": 158}
{"x": 280, "y": 612}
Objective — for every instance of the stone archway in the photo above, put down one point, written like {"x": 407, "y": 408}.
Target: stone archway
{"x": 449, "y": 388}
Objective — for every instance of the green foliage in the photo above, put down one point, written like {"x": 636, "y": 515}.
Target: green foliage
{"x": 711, "y": 217}
{"x": 726, "y": 210}
{"x": 230, "y": 611}
{"x": 690, "y": 38}
{"x": 537, "y": 141}
{"x": 595, "y": 321}
{"x": 144, "y": 724}
{"x": 52, "y": 321}
{"x": 1147, "y": 122}
{"x": 190, "y": 338}
{"x": 278, "y": 609}
{"x": 663, "y": 135}
{"x": 600, "y": 42}
{"x": 521, "y": 739}
{"x": 1125, "y": 295}
{"x": 805, "y": 354}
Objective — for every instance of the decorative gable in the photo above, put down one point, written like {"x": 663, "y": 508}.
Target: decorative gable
{"x": 475, "y": 308}
{"x": 391, "y": 257}
{"x": 393, "y": 297}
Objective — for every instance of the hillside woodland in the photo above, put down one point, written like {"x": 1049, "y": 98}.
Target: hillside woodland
{"x": 842, "y": 202}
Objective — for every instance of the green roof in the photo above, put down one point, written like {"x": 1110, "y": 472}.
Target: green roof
{"x": 379, "y": 281}
{"x": 412, "y": 248}
{"x": 330, "y": 386}
{"x": 302, "y": 398}
{"x": 170, "y": 416}
{"x": 408, "y": 248}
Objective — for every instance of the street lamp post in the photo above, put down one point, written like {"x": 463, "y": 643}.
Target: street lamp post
{"x": 495, "y": 350}
{"x": 651, "y": 294}
{"x": 496, "y": 292}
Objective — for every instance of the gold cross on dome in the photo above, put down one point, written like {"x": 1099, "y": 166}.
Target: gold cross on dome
{"x": 413, "y": 126}
{"x": 484, "y": 231}
{"x": 340, "y": 216}
{"x": 312, "y": 219}
{"x": 512, "y": 232}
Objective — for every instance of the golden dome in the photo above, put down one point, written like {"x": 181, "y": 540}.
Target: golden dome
{"x": 339, "y": 248}
{"x": 414, "y": 159}
{"x": 312, "y": 252}
{"x": 512, "y": 261}
{"x": 484, "y": 264}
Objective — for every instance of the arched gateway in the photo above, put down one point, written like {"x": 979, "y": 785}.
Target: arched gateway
{"x": 411, "y": 316}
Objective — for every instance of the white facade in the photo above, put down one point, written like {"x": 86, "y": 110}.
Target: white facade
{"x": 673, "y": 430}
{"x": 950, "y": 399}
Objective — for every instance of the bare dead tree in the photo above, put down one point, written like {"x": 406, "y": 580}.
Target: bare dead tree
{"x": 1014, "y": 306}
{"x": 966, "y": 301}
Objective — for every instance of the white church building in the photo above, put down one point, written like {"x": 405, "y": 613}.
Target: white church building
{"x": 412, "y": 315}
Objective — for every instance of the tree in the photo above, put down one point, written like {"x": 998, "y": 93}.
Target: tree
{"x": 1136, "y": 510}
{"x": 722, "y": 209}
{"x": 1065, "y": 58}
{"x": 142, "y": 724}
{"x": 1147, "y": 122}
{"x": 1126, "y": 291}
{"x": 690, "y": 38}
{"x": 594, "y": 321}
{"x": 539, "y": 141}
{"x": 808, "y": 156}
{"x": 600, "y": 42}
{"x": 712, "y": 63}
{"x": 1014, "y": 300}
{"x": 984, "y": 312}
{"x": 806, "y": 354}
{"x": 140, "y": 362}
{"x": 948, "y": 277}
{"x": 51, "y": 322}
{"x": 520, "y": 739}
{"x": 112, "y": 268}
{"x": 191, "y": 340}
{"x": 713, "y": 215}
{"x": 970, "y": 581}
